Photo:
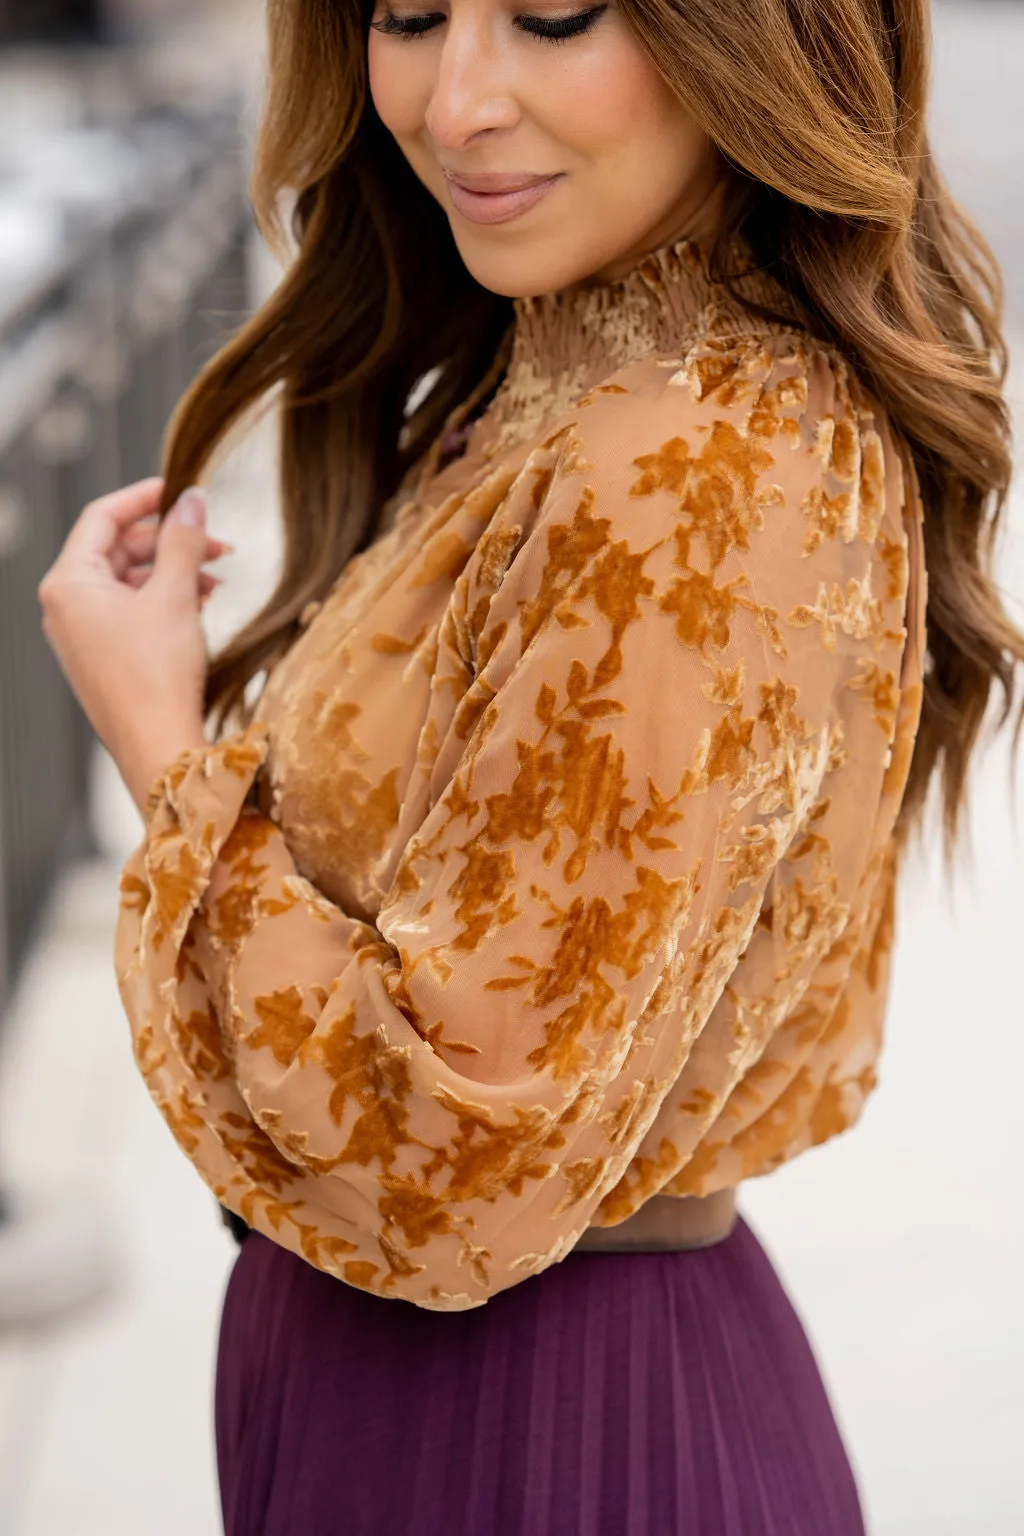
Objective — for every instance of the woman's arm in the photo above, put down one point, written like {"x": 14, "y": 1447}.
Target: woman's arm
{"x": 141, "y": 761}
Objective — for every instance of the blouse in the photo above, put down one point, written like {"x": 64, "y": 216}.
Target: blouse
{"x": 555, "y": 868}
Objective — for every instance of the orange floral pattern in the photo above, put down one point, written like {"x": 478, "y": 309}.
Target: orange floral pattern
{"x": 558, "y": 868}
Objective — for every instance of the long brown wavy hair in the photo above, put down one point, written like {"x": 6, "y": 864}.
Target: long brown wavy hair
{"x": 841, "y": 200}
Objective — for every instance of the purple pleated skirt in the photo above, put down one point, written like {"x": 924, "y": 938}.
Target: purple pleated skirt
{"x": 646, "y": 1394}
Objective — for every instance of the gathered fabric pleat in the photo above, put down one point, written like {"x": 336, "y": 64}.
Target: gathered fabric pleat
{"x": 641, "y": 1394}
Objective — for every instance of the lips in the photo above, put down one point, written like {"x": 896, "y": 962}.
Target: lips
{"x": 495, "y": 197}
{"x": 494, "y": 182}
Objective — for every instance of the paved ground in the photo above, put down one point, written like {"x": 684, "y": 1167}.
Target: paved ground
{"x": 899, "y": 1241}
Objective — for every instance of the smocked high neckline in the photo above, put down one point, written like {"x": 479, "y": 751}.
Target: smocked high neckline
{"x": 663, "y": 290}
{"x": 563, "y": 342}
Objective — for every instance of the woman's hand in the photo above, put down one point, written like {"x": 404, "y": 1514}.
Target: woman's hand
{"x": 121, "y": 607}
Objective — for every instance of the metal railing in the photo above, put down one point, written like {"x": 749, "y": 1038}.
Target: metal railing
{"x": 96, "y": 345}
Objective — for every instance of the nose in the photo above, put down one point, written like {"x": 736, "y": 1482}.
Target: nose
{"x": 472, "y": 91}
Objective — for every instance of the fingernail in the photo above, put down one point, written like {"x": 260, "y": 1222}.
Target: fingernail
{"x": 191, "y": 507}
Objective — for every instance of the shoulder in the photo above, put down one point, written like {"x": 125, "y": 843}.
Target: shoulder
{"x": 749, "y": 493}
{"x": 785, "y": 389}
{"x": 751, "y": 487}
{"x": 730, "y": 428}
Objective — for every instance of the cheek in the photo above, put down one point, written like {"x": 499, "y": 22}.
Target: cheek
{"x": 395, "y": 87}
{"x": 617, "y": 109}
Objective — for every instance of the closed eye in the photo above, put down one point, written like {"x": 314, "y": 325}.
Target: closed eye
{"x": 556, "y": 30}
{"x": 405, "y": 26}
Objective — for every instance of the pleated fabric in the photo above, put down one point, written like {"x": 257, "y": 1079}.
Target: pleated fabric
{"x": 651, "y": 1394}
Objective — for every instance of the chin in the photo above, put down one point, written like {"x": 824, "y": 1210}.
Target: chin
{"x": 517, "y": 273}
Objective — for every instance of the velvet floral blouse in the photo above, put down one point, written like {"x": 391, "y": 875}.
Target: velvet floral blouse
{"x": 556, "y": 867}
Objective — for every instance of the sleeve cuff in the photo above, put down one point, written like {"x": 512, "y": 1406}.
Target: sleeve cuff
{"x": 202, "y": 781}
{"x": 192, "y": 808}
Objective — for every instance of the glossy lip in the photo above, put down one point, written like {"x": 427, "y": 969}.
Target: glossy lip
{"x": 495, "y": 197}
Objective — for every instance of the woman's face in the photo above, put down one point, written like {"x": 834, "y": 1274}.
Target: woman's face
{"x": 470, "y": 89}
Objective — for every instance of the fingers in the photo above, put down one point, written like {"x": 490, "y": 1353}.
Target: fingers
{"x": 102, "y": 523}
{"x": 122, "y": 531}
{"x": 137, "y": 546}
{"x": 181, "y": 544}
{"x": 137, "y": 576}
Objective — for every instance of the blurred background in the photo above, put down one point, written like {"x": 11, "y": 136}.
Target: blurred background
{"x": 126, "y": 253}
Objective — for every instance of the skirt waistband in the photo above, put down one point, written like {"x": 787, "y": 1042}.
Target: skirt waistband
{"x": 663, "y": 1224}
{"x": 666, "y": 1224}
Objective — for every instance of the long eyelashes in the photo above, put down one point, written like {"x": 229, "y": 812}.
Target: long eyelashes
{"x": 407, "y": 27}
{"x": 559, "y": 30}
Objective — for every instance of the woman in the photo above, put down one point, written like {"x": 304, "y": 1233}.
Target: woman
{"x": 642, "y": 440}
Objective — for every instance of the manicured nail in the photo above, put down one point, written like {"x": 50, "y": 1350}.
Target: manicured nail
{"x": 191, "y": 507}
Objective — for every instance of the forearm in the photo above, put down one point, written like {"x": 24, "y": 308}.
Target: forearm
{"x": 150, "y": 750}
